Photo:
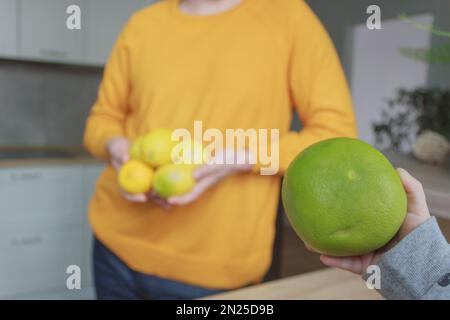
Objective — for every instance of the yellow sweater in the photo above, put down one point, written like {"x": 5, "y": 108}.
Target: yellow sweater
{"x": 244, "y": 68}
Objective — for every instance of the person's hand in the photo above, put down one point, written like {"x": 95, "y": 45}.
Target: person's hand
{"x": 119, "y": 151}
{"x": 224, "y": 164}
{"x": 145, "y": 197}
{"x": 417, "y": 214}
{"x": 163, "y": 203}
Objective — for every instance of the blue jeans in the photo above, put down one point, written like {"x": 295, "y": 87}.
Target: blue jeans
{"x": 114, "y": 280}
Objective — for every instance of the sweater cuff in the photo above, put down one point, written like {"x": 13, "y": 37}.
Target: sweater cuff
{"x": 415, "y": 264}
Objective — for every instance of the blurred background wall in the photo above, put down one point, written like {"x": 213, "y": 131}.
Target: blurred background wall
{"x": 45, "y": 104}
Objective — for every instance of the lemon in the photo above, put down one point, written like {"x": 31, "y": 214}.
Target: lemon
{"x": 156, "y": 147}
{"x": 135, "y": 177}
{"x": 343, "y": 197}
{"x": 173, "y": 180}
{"x": 136, "y": 149}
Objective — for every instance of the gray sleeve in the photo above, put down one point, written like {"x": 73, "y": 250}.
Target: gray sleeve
{"x": 418, "y": 267}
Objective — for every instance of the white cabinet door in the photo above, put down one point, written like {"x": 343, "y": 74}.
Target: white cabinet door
{"x": 44, "y": 34}
{"x": 104, "y": 21}
{"x": 42, "y": 228}
{"x": 36, "y": 260}
{"x": 41, "y": 198}
{"x": 91, "y": 175}
{"x": 8, "y": 28}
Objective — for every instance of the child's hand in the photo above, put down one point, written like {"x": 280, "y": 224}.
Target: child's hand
{"x": 417, "y": 214}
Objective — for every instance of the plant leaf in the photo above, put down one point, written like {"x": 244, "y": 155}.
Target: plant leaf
{"x": 437, "y": 55}
{"x": 429, "y": 28}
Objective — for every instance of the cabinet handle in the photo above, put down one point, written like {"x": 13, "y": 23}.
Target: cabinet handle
{"x": 26, "y": 241}
{"x": 57, "y": 54}
{"x": 27, "y": 176}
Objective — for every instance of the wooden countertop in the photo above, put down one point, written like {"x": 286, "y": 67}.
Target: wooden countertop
{"x": 78, "y": 156}
{"x": 327, "y": 284}
{"x": 435, "y": 181}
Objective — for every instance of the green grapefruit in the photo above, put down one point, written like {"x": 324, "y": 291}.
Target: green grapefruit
{"x": 343, "y": 197}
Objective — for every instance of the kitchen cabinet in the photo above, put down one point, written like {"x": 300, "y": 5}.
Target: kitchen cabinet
{"x": 91, "y": 174}
{"x": 35, "y": 260}
{"x": 44, "y": 229}
{"x": 36, "y": 29}
{"x": 41, "y": 227}
{"x": 43, "y": 32}
{"x": 104, "y": 21}
{"x": 8, "y": 28}
{"x": 42, "y": 197}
